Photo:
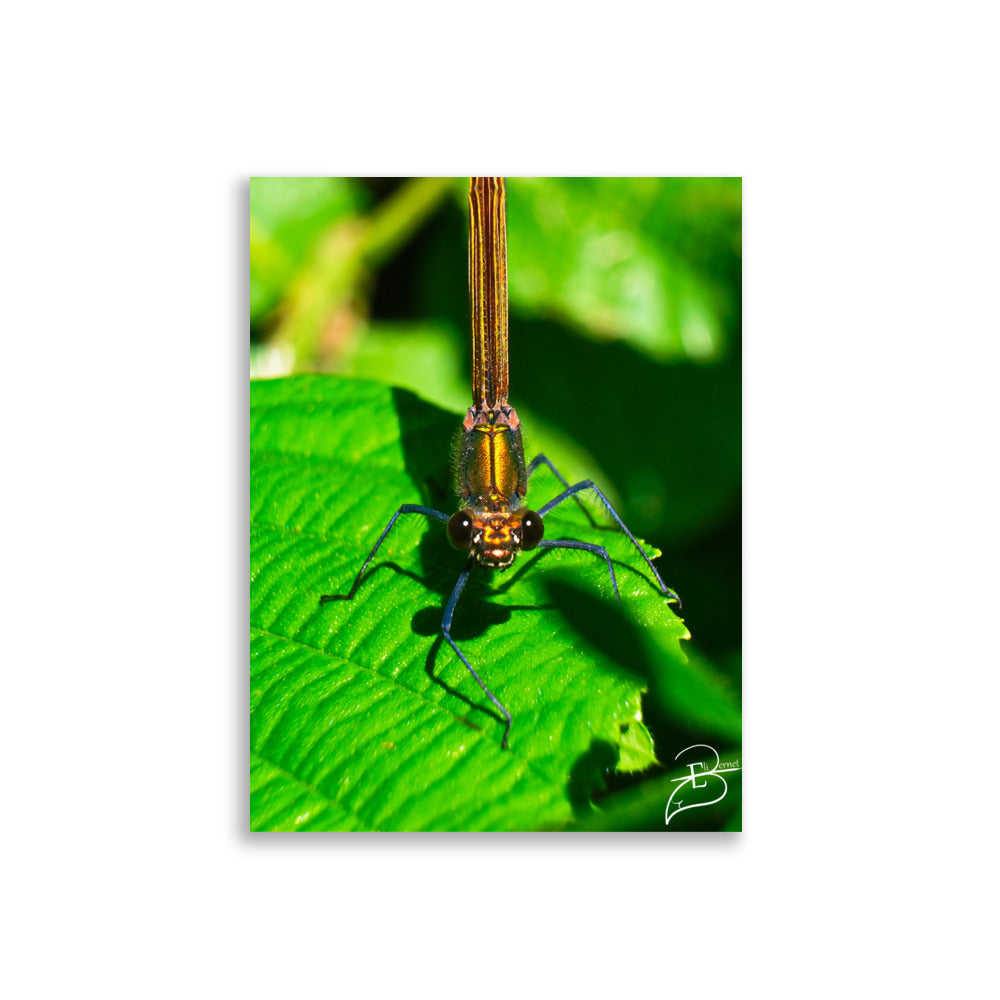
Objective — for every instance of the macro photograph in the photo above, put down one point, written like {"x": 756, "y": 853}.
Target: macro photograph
{"x": 495, "y": 504}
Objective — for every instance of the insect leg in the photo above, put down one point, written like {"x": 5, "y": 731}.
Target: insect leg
{"x": 407, "y": 508}
{"x": 587, "y": 484}
{"x": 563, "y": 543}
{"x": 540, "y": 459}
{"x": 446, "y": 631}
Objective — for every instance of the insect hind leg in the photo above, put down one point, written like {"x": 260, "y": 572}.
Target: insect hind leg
{"x": 588, "y": 484}
{"x": 598, "y": 550}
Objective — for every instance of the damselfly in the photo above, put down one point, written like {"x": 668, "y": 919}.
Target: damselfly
{"x": 491, "y": 479}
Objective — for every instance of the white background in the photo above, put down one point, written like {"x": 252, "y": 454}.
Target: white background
{"x": 865, "y": 134}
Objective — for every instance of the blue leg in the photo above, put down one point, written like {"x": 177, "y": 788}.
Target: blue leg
{"x": 563, "y": 543}
{"x": 407, "y": 508}
{"x": 588, "y": 484}
{"x": 542, "y": 460}
{"x": 446, "y": 631}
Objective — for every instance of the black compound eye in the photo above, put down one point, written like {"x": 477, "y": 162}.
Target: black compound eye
{"x": 460, "y": 529}
{"x": 532, "y": 529}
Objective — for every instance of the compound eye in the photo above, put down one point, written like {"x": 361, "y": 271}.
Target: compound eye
{"x": 460, "y": 529}
{"x": 532, "y": 529}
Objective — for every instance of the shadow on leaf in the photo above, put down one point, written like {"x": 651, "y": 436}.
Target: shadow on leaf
{"x": 587, "y": 776}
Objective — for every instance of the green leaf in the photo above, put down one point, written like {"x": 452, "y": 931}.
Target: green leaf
{"x": 636, "y": 748}
{"x": 361, "y": 717}
{"x": 696, "y": 693}
{"x": 583, "y": 256}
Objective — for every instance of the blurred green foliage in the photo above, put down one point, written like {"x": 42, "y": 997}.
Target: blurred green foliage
{"x": 625, "y": 339}
{"x": 288, "y": 216}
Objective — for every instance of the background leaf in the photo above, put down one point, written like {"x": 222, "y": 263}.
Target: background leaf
{"x": 586, "y": 256}
{"x": 288, "y": 216}
{"x": 643, "y": 807}
{"x": 360, "y": 719}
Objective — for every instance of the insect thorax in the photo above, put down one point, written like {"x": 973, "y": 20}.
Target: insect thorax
{"x": 490, "y": 474}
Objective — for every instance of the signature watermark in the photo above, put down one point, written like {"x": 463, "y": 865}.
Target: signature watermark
{"x": 703, "y": 765}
